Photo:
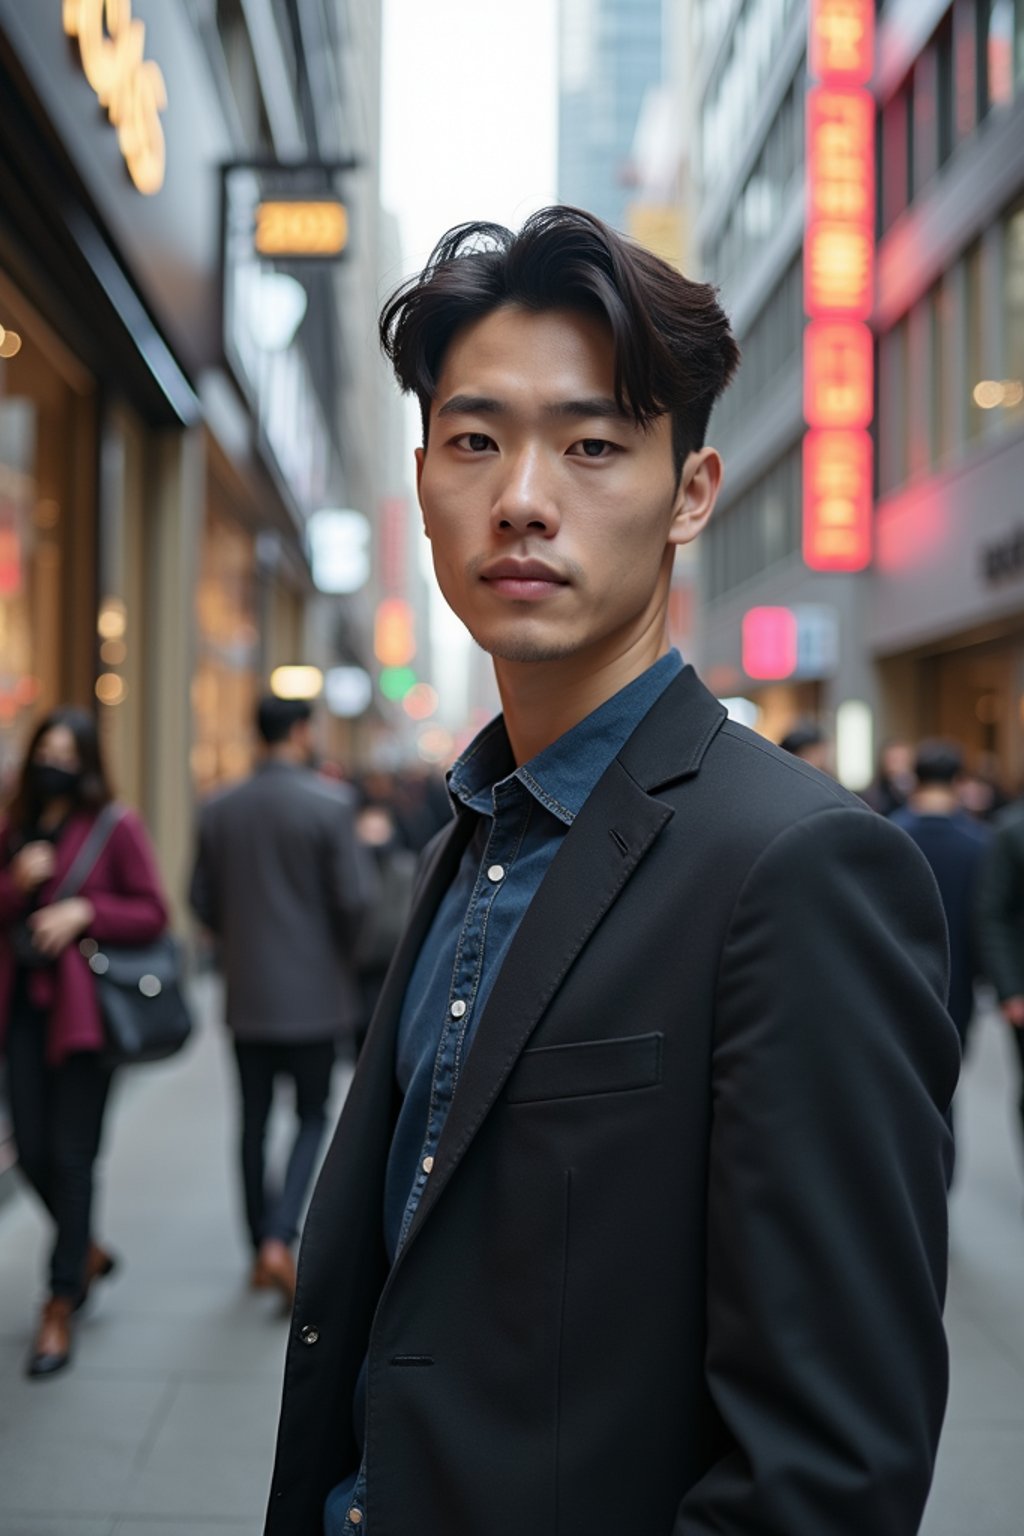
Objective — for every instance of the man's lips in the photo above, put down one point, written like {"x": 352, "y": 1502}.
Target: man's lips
{"x": 523, "y": 579}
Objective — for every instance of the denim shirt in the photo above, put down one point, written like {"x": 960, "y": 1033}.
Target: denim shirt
{"x": 522, "y": 815}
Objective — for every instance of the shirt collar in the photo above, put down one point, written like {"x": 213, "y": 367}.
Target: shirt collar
{"x": 562, "y": 776}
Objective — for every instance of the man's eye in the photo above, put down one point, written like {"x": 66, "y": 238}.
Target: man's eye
{"x": 474, "y": 442}
{"x": 592, "y": 448}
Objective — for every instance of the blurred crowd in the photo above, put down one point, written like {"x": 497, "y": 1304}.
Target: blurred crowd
{"x": 302, "y": 883}
{"x": 971, "y": 832}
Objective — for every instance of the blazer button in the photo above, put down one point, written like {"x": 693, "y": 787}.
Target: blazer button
{"x": 309, "y": 1335}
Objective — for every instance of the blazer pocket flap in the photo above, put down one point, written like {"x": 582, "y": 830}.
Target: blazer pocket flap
{"x": 585, "y": 1067}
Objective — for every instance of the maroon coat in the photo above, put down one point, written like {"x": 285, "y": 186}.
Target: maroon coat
{"x": 130, "y": 908}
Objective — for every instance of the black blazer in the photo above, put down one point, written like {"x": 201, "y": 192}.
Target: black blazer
{"x": 679, "y": 1267}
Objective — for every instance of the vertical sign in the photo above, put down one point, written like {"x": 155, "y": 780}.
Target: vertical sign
{"x": 839, "y": 281}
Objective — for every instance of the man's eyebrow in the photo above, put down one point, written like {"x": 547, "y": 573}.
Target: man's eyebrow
{"x": 471, "y": 405}
{"x": 601, "y": 406}
{"x": 596, "y": 405}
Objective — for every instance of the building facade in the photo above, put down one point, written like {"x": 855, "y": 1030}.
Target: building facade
{"x": 946, "y": 618}
{"x": 175, "y": 403}
{"x": 610, "y": 57}
{"x": 928, "y": 638}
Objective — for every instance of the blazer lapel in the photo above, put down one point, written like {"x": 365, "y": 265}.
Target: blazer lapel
{"x": 608, "y": 840}
{"x": 606, "y": 844}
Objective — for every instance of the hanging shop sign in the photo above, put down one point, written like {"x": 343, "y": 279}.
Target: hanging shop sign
{"x": 293, "y": 229}
{"x": 839, "y": 282}
{"x": 111, "y": 44}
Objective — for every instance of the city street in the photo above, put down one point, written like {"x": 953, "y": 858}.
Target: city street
{"x": 165, "y": 1423}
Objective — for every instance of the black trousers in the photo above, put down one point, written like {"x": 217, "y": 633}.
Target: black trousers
{"x": 57, "y": 1117}
{"x": 275, "y": 1212}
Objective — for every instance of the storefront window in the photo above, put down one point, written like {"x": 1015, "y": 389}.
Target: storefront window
{"x": 226, "y": 681}
{"x": 46, "y": 567}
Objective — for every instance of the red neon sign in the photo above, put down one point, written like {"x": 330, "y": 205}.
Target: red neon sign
{"x": 839, "y": 284}
{"x": 839, "y": 271}
{"x": 839, "y": 378}
{"x": 842, "y": 41}
{"x": 837, "y": 499}
{"x": 769, "y": 643}
{"x": 841, "y": 155}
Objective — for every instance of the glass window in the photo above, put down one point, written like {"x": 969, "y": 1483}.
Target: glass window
{"x": 924, "y": 147}
{"x": 47, "y": 564}
{"x": 975, "y": 318}
{"x": 996, "y": 36}
{"x": 965, "y": 69}
{"x": 941, "y": 394}
{"x": 894, "y": 159}
{"x": 1013, "y": 303}
{"x": 944, "y": 89}
{"x": 893, "y": 426}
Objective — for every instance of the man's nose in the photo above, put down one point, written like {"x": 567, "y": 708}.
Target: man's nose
{"x": 525, "y": 502}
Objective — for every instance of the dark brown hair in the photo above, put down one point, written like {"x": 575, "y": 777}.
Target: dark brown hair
{"x": 674, "y": 351}
{"x": 94, "y": 791}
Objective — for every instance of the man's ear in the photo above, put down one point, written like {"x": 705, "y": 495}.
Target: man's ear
{"x": 421, "y": 454}
{"x": 696, "y": 495}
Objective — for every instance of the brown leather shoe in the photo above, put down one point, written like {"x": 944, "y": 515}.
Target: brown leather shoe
{"x": 274, "y": 1269}
{"x": 51, "y": 1348}
{"x": 98, "y": 1265}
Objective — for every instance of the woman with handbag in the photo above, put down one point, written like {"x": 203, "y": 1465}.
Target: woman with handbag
{"x": 75, "y": 871}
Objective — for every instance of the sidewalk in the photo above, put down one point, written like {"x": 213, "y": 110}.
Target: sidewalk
{"x": 165, "y": 1423}
{"x": 979, "y": 1485}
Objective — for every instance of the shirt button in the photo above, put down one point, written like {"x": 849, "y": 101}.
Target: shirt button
{"x": 355, "y": 1515}
{"x": 458, "y": 1008}
{"x": 496, "y": 873}
{"x": 309, "y": 1335}
{"x": 427, "y": 1165}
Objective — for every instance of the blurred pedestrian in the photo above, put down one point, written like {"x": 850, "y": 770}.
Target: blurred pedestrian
{"x": 809, "y": 742}
{"x": 981, "y": 792}
{"x": 1000, "y": 916}
{"x": 634, "y": 1219}
{"x": 282, "y": 881}
{"x": 63, "y": 833}
{"x": 954, "y": 846}
{"x": 894, "y": 781}
{"x": 388, "y": 913}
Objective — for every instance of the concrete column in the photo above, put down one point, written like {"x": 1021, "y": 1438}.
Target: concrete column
{"x": 175, "y": 524}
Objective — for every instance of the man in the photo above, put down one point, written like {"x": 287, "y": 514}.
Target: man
{"x": 281, "y": 880}
{"x": 954, "y": 845}
{"x": 1001, "y": 923}
{"x": 635, "y": 1220}
{"x": 810, "y": 744}
{"x": 894, "y": 780}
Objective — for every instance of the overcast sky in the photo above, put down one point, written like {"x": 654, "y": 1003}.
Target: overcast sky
{"x": 469, "y": 132}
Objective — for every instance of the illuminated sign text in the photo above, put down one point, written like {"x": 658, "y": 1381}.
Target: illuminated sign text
{"x": 111, "y": 43}
{"x": 301, "y": 229}
{"x": 839, "y": 283}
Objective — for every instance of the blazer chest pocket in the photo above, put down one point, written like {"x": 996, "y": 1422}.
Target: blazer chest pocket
{"x": 585, "y": 1067}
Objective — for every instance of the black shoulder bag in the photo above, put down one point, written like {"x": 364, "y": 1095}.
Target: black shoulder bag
{"x": 142, "y": 1004}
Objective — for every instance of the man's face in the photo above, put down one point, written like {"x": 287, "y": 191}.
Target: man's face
{"x": 552, "y": 516}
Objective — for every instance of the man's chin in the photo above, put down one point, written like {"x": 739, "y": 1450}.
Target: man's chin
{"x": 525, "y": 648}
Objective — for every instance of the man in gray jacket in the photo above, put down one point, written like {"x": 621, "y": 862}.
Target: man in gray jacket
{"x": 282, "y": 881}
